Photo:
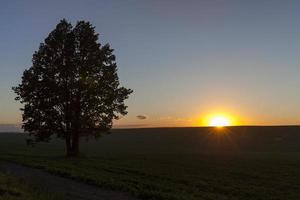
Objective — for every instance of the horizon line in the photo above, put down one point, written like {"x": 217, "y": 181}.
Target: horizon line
{"x": 149, "y": 127}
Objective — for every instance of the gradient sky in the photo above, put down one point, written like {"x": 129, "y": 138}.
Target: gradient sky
{"x": 184, "y": 60}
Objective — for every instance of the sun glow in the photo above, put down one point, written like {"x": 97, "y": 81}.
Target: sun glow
{"x": 220, "y": 121}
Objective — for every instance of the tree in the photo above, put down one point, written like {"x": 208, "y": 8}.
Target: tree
{"x": 72, "y": 88}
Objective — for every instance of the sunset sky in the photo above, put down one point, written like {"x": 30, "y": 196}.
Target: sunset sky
{"x": 185, "y": 60}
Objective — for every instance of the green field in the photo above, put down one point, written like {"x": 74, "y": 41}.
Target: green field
{"x": 177, "y": 163}
{"x": 12, "y": 188}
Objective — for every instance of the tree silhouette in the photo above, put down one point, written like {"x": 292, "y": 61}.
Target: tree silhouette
{"x": 72, "y": 88}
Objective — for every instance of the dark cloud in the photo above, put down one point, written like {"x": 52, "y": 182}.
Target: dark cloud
{"x": 141, "y": 117}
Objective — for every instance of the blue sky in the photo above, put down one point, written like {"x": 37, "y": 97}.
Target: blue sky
{"x": 183, "y": 59}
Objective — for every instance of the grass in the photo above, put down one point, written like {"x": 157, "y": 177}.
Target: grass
{"x": 12, "y": 188}
{"x": 150, "y": 165}
{"x": 190, "y": 177}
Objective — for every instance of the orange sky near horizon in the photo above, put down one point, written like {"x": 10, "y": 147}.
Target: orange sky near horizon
{"x": 236, "y": 118}
{"x": 198, "y": 118}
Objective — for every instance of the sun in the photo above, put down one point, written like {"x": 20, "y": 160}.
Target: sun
{"x": 220, "y": 121}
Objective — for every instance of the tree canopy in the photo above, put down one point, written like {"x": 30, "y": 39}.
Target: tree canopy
{"x": 72, "y": 88}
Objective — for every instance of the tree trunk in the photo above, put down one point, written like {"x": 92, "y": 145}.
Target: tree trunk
{"x": 68, "y": 146}
{"x": 75, "y": 144}
{"x": 72, "y": 144}
{"x": 73, "y": 149}
{"x": 76, "y": 130}
{"x": 75, "y": 127}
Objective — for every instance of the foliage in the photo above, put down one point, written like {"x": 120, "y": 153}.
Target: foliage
{"x": 72, "y": 88}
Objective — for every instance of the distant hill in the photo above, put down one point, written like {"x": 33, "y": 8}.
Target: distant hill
{"x": 200, "y": 139}
{"x": 10, "y": 128}
{"x": 239, "y": 139}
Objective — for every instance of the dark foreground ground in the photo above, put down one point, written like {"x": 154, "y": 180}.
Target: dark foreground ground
{"x": 177, "y": 163}
{"x": 64, "y": 187}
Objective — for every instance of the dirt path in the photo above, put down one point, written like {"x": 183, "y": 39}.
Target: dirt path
{"x": 70, "y": 189}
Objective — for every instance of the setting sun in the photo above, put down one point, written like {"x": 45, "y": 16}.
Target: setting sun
{"x": 220, "y": 121}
